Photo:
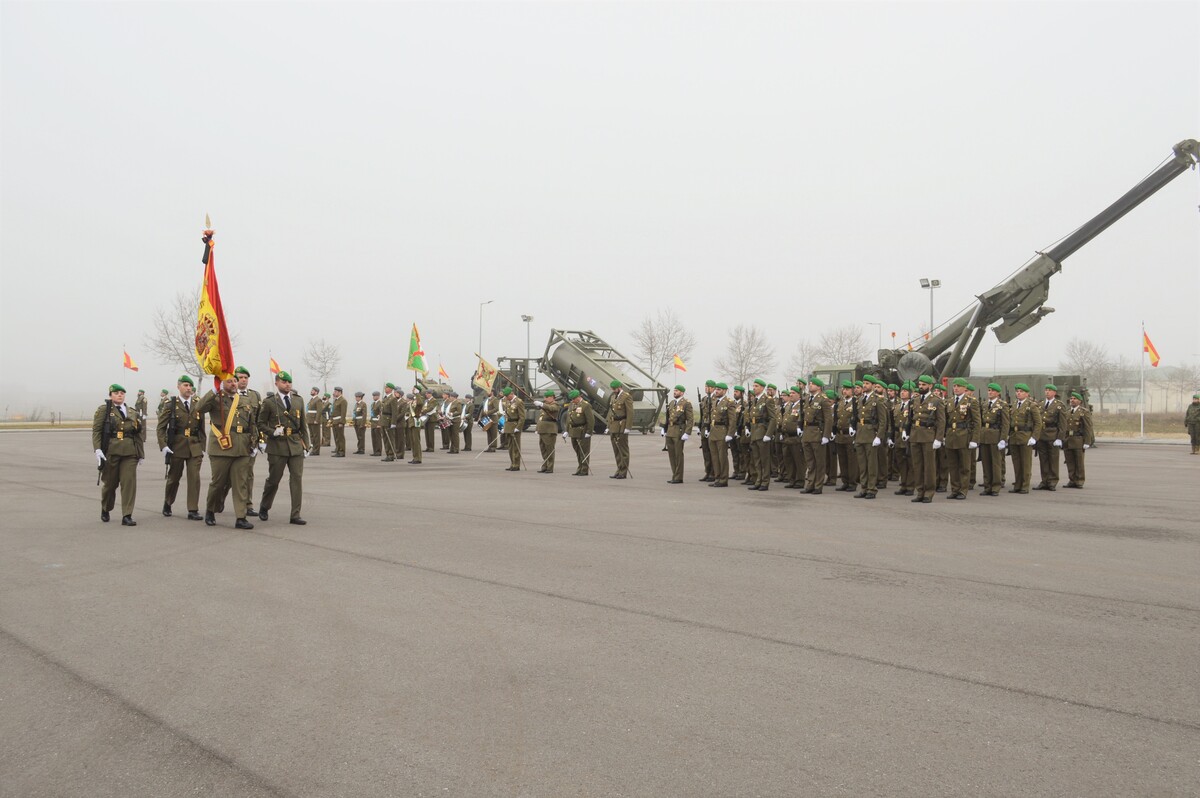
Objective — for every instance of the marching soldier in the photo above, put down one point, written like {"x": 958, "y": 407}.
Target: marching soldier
{"x": 327, "y": 425}
{"x": 1191, "y": 422}
{"x": 925, "y": 438}
{"x": 376, "y": 434}
{"x": 514, "y": 414}
{"x": 164, "y": 396}
{"x": 962, "y": 438}
{"x": 547, "y": 430}
{"x": 286, "y": 446}
{"x": 142, "y": 408}
{"x": 581, "y": 420}
{"x": 764, "y": 426}
{"x": 254, "y": 399}
{"x": 620, "y": 418}
{"x": 360, "y": 422}
{"x": 869, "y": 435}
{"x": 1080, "y": 437}
{"x": 1054, "y": 421}
{"x": 845, "y": 419}
{"x": 234, "y": 437}
{"x": 705, "y": 418}
{"x": 181, "y": 439}
{"x": 818, "y": 428}
{"x": 901, "y": 425}
{"x": 1026, "y": 429}
{"x": 387, "y": 422}
{"x": 117, "y": 439}
{"x": 993, "y": 440}
{"x": 313, "y": 417}
{"x": 792, "y": 425}
{"x": 337, "y": 419}
{"x": 721, "y": 432}
{"x": 679, "y": 426}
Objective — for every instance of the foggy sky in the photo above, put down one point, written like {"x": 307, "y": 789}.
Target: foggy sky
{"x": 796, "y": 166}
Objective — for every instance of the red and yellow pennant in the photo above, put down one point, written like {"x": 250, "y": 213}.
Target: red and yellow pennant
{"x": 1148, "y": 348}
{"x": 213, "y": 348}
{"x": 274, "y": 366}
{"x": 442, "y": 372}
{"x": 129, "y": 364}
{"x": 679, "y": 364}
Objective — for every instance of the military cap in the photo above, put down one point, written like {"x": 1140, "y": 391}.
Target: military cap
{"x": 681, "y": 389}
{"x": 710, "y": 383}
{"x": 1020, "y": 386}
{"x": 318, "y": 390}
{"x": 548, "y": 393}
{"x": 337, "y": 388}
{"x": 1051, "y": 387}
{"x": 961, "y": 381}
{"x": 722, "y": 386}
{"x": 164, "y": 390}
{"x": 374, "y": 393}
{"x": 141, "y": 390}
{"x": 739, "y": 388}
{"x": 615, "y": 384}
{"x": 359, "y": 393}
{"x": 830, "y": 393}
{"x": 772, "y": 386}
{"x": 817, "y": 381}
{"x": 925, "y": 378}
{"x": 573, "y": 394}
{"x": 847, "y": 383}
{"x": 242, "y": 370}
{"x": 794, "y": 389}
{"x": 186, "y": 378}
{"x": 326, "y": 396}
{"x": 507, "y": 390}
{"x": 389, "y": 385}
{"x": 1196, "y": 396}
{"x": 858, "y": 383}
{"x": 871, "y": 378}
{"x": 760, "y": 381}
{"x": 971, "y": 387}
{"x": 995, "y": 386}
{"x": 114, "y": 387}
{"x": 1077, "y": 395}
{"x": 907, "y": 385}
{"x": 893, "y": 386}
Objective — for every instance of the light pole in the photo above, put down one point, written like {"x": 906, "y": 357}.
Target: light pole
{"x": 528, "y": 320}
{"x": 481, "y": 304}
{"x": 930, "y": 284}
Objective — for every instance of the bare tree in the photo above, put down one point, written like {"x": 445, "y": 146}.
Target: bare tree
{"x": 173, "y": 335}
{"x": 802, "y": 361}
{"x": 1092, "y": 362}
{"x": 659, "y": 338}
{"x": 322, "y": 359}
{"x": 845, "y": 344}
{"x": 747, "y": 354}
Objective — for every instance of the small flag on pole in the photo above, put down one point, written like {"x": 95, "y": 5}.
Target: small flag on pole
{"x": 129, "y": 364}
{"x": 442, "y": 372}
{"x": 275, "y": 367}
{"x": 1146, "y": 347}
{"x": 416, "y": 355}
{"x": 679, "y": 364}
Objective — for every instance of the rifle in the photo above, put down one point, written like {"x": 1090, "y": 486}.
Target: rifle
{"x": 105, "y": 437}
{"x": 172, "y": 431}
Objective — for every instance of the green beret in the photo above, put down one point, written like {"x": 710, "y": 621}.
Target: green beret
{"x": 1077, "y": 395}
{"x": 961, "y": 381}
{"x": 573, "y": 395}
{"x": 830, "y": 393}
{"x": 710, "y": 383}
{"x": 907, "y": 385}
{"x": 507, "y": 390}
{"x": 893, "y": 386}
{"x": 389, "y": 385}
{"x": 242, "y": 370}
{"x": 847, "y": 383}
{"x": 772, "y": 386}
{"x": 858, "y": 383}
{"x": 739, "y": 388}
{"x": 971, "y": 387}
{"x": 817, "y": 381}
{"x": 114, "y": 387}
{"x": 681, "y": 389}
{"x": 1196, "y": 396}
{"x": 760, "y": 381}
{"x": 1051, "y": 387}
{"x": 795, "y": 389}
{"x": 186, "y": 378}
{"x": 283, "y": 376}
{"x": 615, "y": 384}
{"x": 326, "y": 396}
{"x": 164, "y": 390}
{"x": 925, "y": 378}
{"x": 548, "y": 393}
{"x": 995, "y": 386}
{"x": 1020, "y": 386}
{"x": 722, "y": 386}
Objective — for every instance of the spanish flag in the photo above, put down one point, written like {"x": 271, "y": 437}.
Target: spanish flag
{"x": 129, "y": 364}
{"x": 442, "y": 372}
{"x": 213, "y": 349}
{"x": 275, "y": 367}
{"x": 679, "y": 364}
{"x": 1149, "y": 348}
{"x": 416, "y": 355}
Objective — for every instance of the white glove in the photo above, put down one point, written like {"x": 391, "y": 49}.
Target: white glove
{"x": 423, "y": 419}
{"x": 728, "y": 438}
{"x": 876, "y": 442}
{"x": 972, "y": 445}
{"x": 537, "y": 404}
{"x": 1058, "y": 443}
{"x": 306, "y": 452}
{"x": 100, "y": 458}
{"x": 167, "y": 450}
{"x": 904, "y": 435}
{"x": 142, "y": 460}
{"x": 393, "y": 426}
{"x": 706, "y": 434}
{"x": 824, "y": 441}
{"x": 564, "y": 436}
{"x": 464, "y": 425}
{"x": 262, "y": 446}
{"x": 891, "y": 444}
{"x": 1087, "y": 446}
{"x": 587, "y": 434}
{"x": 1002, "y": 445}
{"x": 937, "y": 444}
{"x": 853, "y": 431}
{"x": 684, "y": 437}
{"x": 254, "y": 452}
{"x": 606, "y": 430}
{"x": 663, "y": 434}
{"x": 767, "y": 438}
{"x": 1032, "y": 442}
{"x": 277, "y": 433}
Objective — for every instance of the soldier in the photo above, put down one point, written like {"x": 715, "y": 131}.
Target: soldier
{"x": 775, "y": 396}
{"x": 163, "y": 397}
{"x": 143, "y": 410}
{"x": 705, "y": 418}
{"x": 443, "y": 417}
{"x": 313, "y": 417}
{"x": 721, "y": 432}
{"x": 901, "y": 426}
{"x": 388, "y": 422}
{"x": 680, "y": 419}
{"x": 1026, "y": 428}
{"x": 893, "y": 399}
{"x": 581, "y": 420}
{"x": 376, "y": 433}
{"x": 117, "y": 439}
{"x": 817, "y": 432}
{"x": 455, "y": 412}
{"x": 764, "y": 426}
{"x": 234, "y": 437}
{"x": 339, "y": 408}
{"x": 514, "y": 414}
{"x": 739, "y": 447}
{"x": 962, "y": 438}
{"x": 831, "y": 459}
{"x": 882, "y": 452}
{"x": 1054, "y": 421}
{"x": 869, "y": 435}
{"x": 407, "y": 428}
{"x": 286, "y": 445}
{"x": 360, "y": 422}
{"x": 547, "y": 430}
{"x": 941, "y": 456}
{"x": 620, "y": 418}
{"x": 489, "y": 419}
{"x": 252, "y": 399}
{"x": 469, "y": 418}
{"x": 993, "y": 440}
{"x": 181, "y": 439}
{"x": 1080, "y": 437}
{"x": 925, "y": 438}
{"x": 791, "y": 426}
{"x": 1191, "y": 422}
{"x": 845, "y": 419}
{"x": 427, "y": 418}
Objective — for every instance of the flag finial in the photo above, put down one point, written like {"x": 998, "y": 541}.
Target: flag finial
{"x": 207, "y": 222}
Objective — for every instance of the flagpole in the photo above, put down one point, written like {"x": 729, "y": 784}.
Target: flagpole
{"x": 1143, "y": 380}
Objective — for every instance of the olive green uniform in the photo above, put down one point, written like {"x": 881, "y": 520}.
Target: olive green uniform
{"x": 928, "y": 425}
{"x": 429, "y": 411}
{"x": 844, "y": 419}
{"x": 514, "y": 412}
{"x": 337, "y": 419}
{"x": 313, "y": 417}
{"x": 993, "y": 428}
{"x": 254, "y": 399}
{"x": 620, "y": 418}
{"x": 1026, "y": 424}
{"x": 181, "y": 429}
{"x": 705, "y": 419}
{"x": 388, "y": 414}
{"x": 581, "y": 420}
{"x": 764, "y": 427}
{"x": 143, "y": 410}
{"x": 902, "y": 461}
{"x": 360, "y": 426}
{"x": 122, "y": 451}
{"x": 1191, "y": 422}
{"x": 818, "y": 429}
{"x": 869, "y": 437}
{"x": 724, "y": 419}
{"x": 228, "y": 466}
{"x": 547, "y": 432}
{"x": 376, "y": 428}
{"x": 791, "y": 425}
{"x": 1054, "y": 423}
{"x": 280, "y": 420}
{"x": 680, "y": 419}
{"x": 962, "y": 430}
{"x": 412, "y": 432}
{"x": 1079, "y": 434}
{"x": 491, "y": 412}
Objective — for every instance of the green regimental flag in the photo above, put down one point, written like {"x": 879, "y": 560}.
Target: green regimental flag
{"x": 416, "y": 355}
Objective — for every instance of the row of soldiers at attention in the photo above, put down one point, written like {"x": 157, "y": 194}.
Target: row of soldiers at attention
{"x": 808, "y": 436}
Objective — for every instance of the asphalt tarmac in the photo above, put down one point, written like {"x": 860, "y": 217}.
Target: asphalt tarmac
{"x": 452, "y": 629}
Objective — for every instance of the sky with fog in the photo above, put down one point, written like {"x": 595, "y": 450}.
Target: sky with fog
{"x": 796, "y": 166}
